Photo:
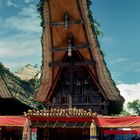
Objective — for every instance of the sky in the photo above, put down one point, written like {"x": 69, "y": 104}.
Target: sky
{"x": 20, "y": 34}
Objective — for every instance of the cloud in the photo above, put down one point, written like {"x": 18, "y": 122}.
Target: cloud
{"x": 19, "y": 50}
{"x": 29, "y": 11}
{"x": 130, "y": 91}
{"x": 20, "y": 45}
{"x": 27, "y": 1}
{"x": 109, "y": 41}
{"x": 26, "y": 21}
{"x": 0, "y": 4}
{"x": 22, "y": 24}
{"x": 137, "y": 70}
{"x": 20, "y": 37}
{"x": 10, "y": 3}
{"x": 133, "y": 67}
{"x": 119, "y": 60}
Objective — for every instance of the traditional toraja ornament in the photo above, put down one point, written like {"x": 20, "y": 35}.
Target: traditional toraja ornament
{"x": 71, "y": 112}
{"x": 74, "y": 73}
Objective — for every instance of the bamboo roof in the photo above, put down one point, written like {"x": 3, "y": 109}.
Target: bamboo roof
{"x": 55, "y": 37}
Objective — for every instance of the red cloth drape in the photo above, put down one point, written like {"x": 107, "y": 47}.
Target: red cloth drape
{"x": 121, "y": 131}
{"x": 12, "y": 121}
{"x": 118, "y": 122}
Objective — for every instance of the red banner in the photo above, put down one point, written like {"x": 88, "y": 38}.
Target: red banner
{"x": 12, "y": 121}
{"x": 118, "y": 122}
{"x": 121, "y": 131}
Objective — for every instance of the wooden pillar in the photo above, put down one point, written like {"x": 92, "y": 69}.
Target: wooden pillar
{"x": 27, "y": 130}
{"x": 93, "y": 131}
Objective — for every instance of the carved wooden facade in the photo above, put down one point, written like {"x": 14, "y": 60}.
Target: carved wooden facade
{"x": 74, "y": 73}
{"x": 75, "y": 88}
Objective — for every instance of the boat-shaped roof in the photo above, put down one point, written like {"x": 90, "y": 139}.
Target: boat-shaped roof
{"x": 60, "y": 20}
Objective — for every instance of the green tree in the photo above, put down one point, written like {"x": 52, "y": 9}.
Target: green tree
{"x": 134, "y": 107}
{"x": 125, "y": 112}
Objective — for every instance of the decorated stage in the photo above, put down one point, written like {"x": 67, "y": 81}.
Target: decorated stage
{"x": 66, "y": 124}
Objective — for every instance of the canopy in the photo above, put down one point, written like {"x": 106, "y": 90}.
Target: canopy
{"x": 12, "y": 121}
{"x": 118, "y": 122}
{"x": 101, "y": 121}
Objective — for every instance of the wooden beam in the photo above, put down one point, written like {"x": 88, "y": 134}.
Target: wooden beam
{"x": 67, "y": 64}
{"x": 52, "y": 24}
{"x": 77, "y": 47}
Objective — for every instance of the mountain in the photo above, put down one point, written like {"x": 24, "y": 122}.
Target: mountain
{"x": 16, "y": 95}
{"x": 27, "y": 73}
